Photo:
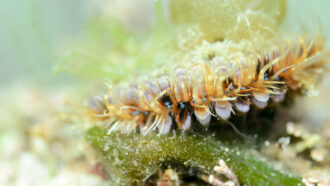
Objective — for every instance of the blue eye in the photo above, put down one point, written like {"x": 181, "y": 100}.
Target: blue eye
{"x": 136, "y": 112}
{"x": 169, "y": 106}
{"x": 182, "y": 105}
{"x": 243, "y": 88}
{"x": 167, "y": 103}
{"x": 146, "y": 113}
{"x": 204, "y": 99}
{"x": 266, "y": 76}
{"x": 231, "y": 87}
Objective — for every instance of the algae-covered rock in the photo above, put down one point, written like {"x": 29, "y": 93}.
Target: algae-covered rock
{"x": 133, "y": 158}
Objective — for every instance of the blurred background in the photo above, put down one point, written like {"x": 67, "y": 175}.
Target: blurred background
{"x": 34, "y": 36}
{"x": 30, "y": 33}
{"x": 34, "y": 32}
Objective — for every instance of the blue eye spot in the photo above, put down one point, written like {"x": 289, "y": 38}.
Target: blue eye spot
{"x": 243, "y": 88}
{"x": 231, "y": 87}
{"x": 136, "y": 112}
{"x": 169, "y": 106}
{"x": 204, "y": 99}
{"x": 277, "y": 78}
{"x": 146, "y": 113}
{"x": 266, "y": 76}
{"x": 167, "y": 103}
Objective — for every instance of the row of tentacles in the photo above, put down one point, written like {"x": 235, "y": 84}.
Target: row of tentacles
{"x": 206, "y": 90}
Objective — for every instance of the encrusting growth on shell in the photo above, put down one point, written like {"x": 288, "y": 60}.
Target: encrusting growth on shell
{"x": 213, "y": 89}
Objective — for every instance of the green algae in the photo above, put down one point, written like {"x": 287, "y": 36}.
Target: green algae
{"x": 132, "y": 158}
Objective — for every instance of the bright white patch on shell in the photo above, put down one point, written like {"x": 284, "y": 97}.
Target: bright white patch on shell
{"x": 203, "y": 117}
{"x": 223, "y": 110}
{"x": 259, "y": 104}
{"x": 187, "y": 123}
{"x": 278, "y": 97}
{"x": 261, "y": 97}
{"x": 242, "y": 106}
{"x": 165, "y": 126}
